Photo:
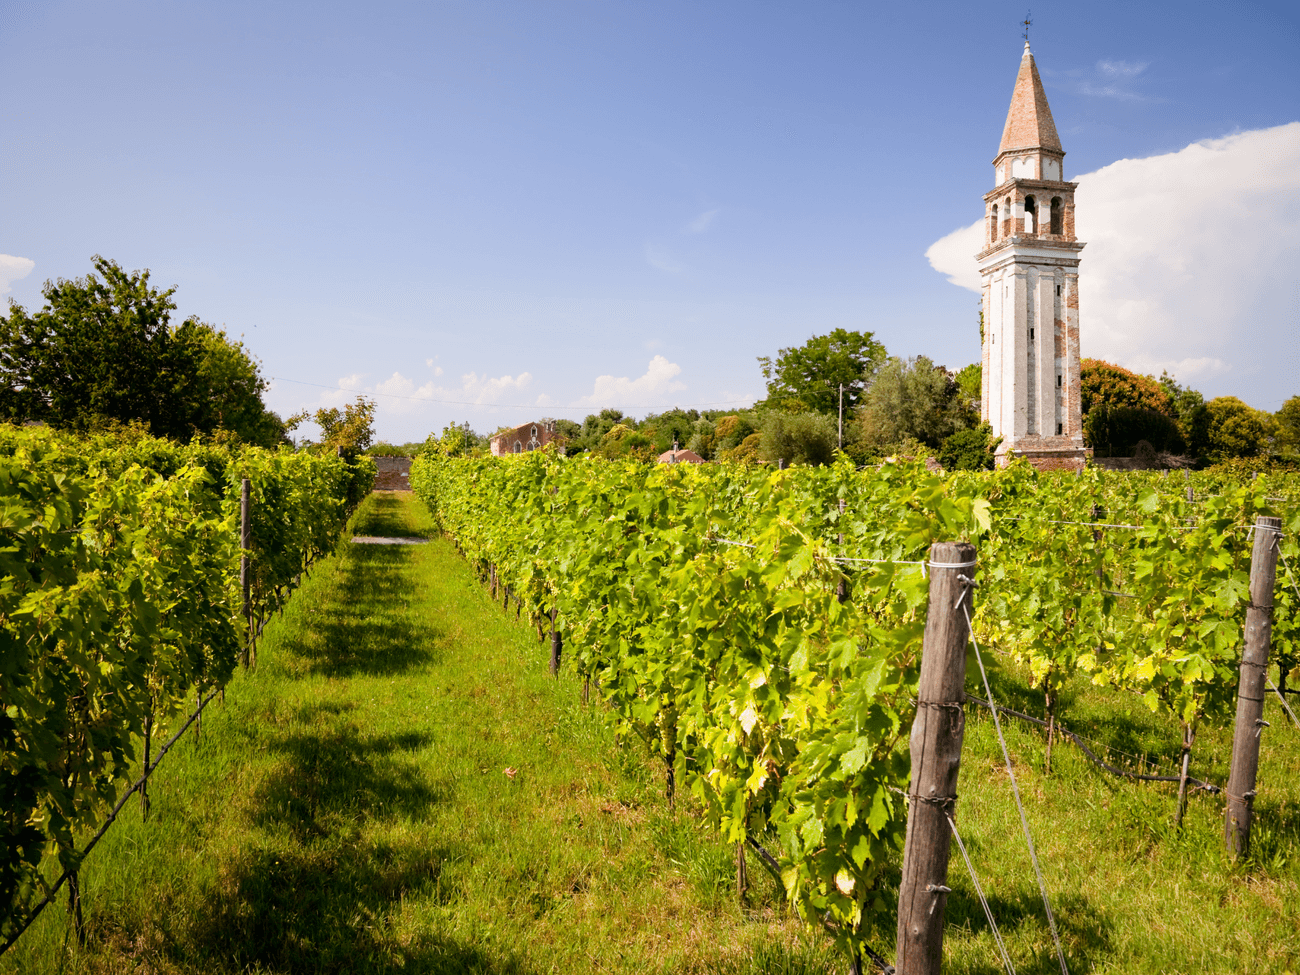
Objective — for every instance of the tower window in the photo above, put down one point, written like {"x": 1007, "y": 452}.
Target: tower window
{"x": 1058, "y": 429}
{"x": 1031, "y": 334}
{"x": 1058, "y": 291}
{"x": 1056, "y": 209}
{"x": 1031, "y": 215}
{"x": 1058, "y": 380}
{"x": 995, "y": 221}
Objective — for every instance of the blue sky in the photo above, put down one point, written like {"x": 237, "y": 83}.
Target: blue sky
{"x": 540, "y": 208}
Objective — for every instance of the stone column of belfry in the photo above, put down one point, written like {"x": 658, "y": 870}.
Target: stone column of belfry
{"x": 1029, "y": 266}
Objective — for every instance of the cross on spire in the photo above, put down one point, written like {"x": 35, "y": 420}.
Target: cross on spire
{"x": 1027, "y": 23}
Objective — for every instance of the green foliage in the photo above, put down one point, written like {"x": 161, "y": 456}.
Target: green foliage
{"x": 1105, "y": 384}
{"x": 780, "y": 705}
{"x": 1116, "y": 431}
{"x": 119, "y": 595}
{"x": 1121, "y": 408}
{"x": 1287, "y": 425}
{"x": 1235, "y": 429}
{"x": 351, "y": 428}
{"x": 1193, "y": 417}
{"x": 812, "y": 373}
{"x": 970, "y": 381}
{"x": 799, "y": 438}
{"x": 457, "y": 440}
{"x": 969, "y": 450}
{"x": 673, "y": 426}
{"x": 911, "y": 399}
{"x": 103, "y": 351}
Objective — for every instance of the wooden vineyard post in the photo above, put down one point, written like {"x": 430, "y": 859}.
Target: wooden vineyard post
{"x": 936, "y": 744}
{"x": 144, "y": 783}
{"x": 1250, "y": 692}
{"x": 842, "y": 589}
{"x": 245, "y": 564}
{"x": 557, "y": 644}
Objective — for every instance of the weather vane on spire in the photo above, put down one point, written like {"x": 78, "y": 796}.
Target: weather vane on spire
{"x": 1028, "y": 22}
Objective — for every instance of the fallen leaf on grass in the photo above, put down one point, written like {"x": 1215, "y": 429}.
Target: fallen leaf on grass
{"x": 511, "y": 772}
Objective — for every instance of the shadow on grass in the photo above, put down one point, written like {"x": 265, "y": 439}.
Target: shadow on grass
{"x": 337, "y": 860}
{"x": 383, "y": 518}
{"x": 1085, "y": 931}
{"x": 361, "y": 627}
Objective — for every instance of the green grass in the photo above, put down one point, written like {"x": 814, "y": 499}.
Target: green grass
{"x": 347, "y": 809}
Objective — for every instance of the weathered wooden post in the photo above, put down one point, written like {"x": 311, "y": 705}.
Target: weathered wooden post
{"x": 1250, "y": 692}
{"x": 936, "y": 744}
{"x": 557, "y": 644}
{"x": 245, "y": 563}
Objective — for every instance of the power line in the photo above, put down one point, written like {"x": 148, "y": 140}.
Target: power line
{"x": 505, "y": 406}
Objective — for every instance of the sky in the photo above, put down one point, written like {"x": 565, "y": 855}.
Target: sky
{"x": 499, "y": 210}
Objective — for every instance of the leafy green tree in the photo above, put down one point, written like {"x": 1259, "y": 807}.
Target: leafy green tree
{"x": 811, "y": 374}
{"x": 1286, "y": 423}
{"x": 1235, "y": 429}
{"x": 704, "y": 438}
{"x": 969, "y": 450}
{"x": 103, "y": 352}
{"x": 351, "y": 428}
{"x": 798, "y": 438}
{"x": 1122, "y": 408}
{"x": 1193, "y": 417}
{"x": 672, "y": 426}
{"x": 1106, "y": 384}
{"x": 228, "y": 388}
{"x": 969, "y": 381}
{"x": 910, "y": 399}
{"x": 456, "y": 440}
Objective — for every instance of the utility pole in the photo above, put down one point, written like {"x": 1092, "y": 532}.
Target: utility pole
{"x": 841, "y": 416}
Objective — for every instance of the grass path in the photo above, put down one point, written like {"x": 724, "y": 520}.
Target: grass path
{"x": 349, "y": 809}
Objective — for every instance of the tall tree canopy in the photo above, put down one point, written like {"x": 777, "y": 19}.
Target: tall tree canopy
{"x": 811, "y": 373}
{"x": 103, "y": 349}
{"x": 910, "y": 400}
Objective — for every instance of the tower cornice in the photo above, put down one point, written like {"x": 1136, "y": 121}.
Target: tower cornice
{"x": 1033, "y": 184}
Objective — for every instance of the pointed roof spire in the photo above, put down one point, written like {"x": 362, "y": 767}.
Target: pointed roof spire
{"x": 1029, "y": 120}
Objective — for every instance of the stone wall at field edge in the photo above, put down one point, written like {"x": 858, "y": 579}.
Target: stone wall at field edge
{"x": 392, "y": 473}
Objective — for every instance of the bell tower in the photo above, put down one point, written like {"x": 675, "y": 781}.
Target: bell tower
{"x": 1030, "y": 272}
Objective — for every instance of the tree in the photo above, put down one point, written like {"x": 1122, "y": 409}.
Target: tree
{"x": 811, "y": 374}
{"x": 1286, "y": 423}
{"x": 1193, "y": 417}
{"x": 457, "y": 440}
{"x": 228, "y": 387}
{"x": 969, "y": 450}
{"x": 910, "y": 399}
{"x": 1235, "y": 429}
{"x": 1106, "y": 384}
{"x": 798, "y": 438}
{"x": 351, "y": 428}
{"x": 970, "y": 381}
{"x": 1122, "y": 408}
{"x": 103, "y": 351}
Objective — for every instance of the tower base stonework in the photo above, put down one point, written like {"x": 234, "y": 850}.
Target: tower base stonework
{"x": 1045, "y": 453}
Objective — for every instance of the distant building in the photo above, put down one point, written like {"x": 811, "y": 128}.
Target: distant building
{"x": 530, "y": 436}
{"x": 676, "y": 456}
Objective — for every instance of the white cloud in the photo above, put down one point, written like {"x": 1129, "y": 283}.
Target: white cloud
{"x": 1121, "y": 69}
{"x": 659, "y": 258}
{"x": 13, "y": 269}
{"x": 648, "y": 390}
{"x": 1190, "y": 263}
{"x": 703, "y": 222}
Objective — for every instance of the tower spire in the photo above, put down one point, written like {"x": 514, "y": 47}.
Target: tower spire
{"x": 1029, "y": 119}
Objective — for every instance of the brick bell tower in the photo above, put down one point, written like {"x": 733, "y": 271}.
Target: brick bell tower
{"x": 1030, "y": 271}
